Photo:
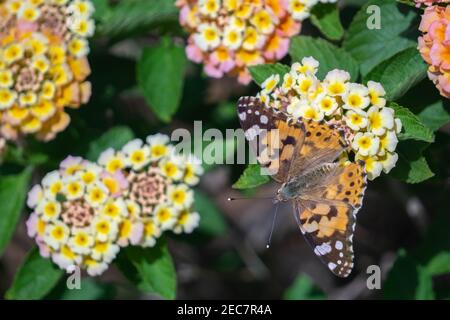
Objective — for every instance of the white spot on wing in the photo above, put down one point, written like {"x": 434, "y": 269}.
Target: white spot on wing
{"x": 331, "y": 266}
{"x": 242, "y": 116}
{"x": 338, "y": 245}
{"x": 264, "y": 119}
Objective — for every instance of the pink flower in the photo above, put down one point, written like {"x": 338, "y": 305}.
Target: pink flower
{"x": 194, "y": 53}
{"x": 71, "y": 161}
{"x": 231, "y": 36}
{"x": 32, "y": 225}
{"x": 434, "y": 45}
{"x": 34, "y": 196}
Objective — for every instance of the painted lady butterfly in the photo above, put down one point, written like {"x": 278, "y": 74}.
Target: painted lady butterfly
{"x": 302, "y": 154}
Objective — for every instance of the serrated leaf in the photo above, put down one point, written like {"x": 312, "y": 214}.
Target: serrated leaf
{"x": 325, "y": 16}
{"x": 370, "y": 47}
{"x": 150, "y": 269}
{"x": 114, "y": 138}
{"x": 263, "y": 71}
{"x": 303, "y": 288}
{"x": 211, "y": 220}
{"x": 413, "y": 128}
{"x": 251, "y": 178}
{"x": 160, "y": 73}
{"x": 329, "y": 56}
{"x": 399, "y": 73}
{"x": 13, "y": 191}
{"x": 439, "y": 264}
{"x": 35, "y": 278}
{"x": 435, "y": 116}
{"x": 131, "y": 17}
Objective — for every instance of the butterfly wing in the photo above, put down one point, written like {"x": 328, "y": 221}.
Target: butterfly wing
{"x": 327, "y": 216}
{"x": 323, "y": 143}
{"x": 272, "y": 136}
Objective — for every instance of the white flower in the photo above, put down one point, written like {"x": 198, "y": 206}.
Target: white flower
{"x": 95, "y": 268}
{"x": 366, "y": 144}
{"x": 326, "y": 104}
{"x": 288, "y": 82}
{"x": 96, "y": 195}
{"x": 81, "y": 241}
{"x": 306, "y": 83}
{"x": 105, "y": 251}
{"x": 180, "y": 195}
{"x": 232, "y": 38}
{"x": 388, "y": 161}
{"x": 7, "y": 98}
{"x": 172, "y": 169}
{"x": 66, "y": 258}
{"x": 303, "y": 109}
{"x": 151, "y": 232}
{"x": 356, "y": 97}
{"x": 376, "y": 93}
{"x": 73, "y": 188}
{"x": 112, "y": 160}
{"x": 82, "y": 26}
{"x": 49, "y": 210}
{"x": 308, "y": 65}
{"x": 388, "y": 142}
{"x": 193, "y": 169}
{"x": 81, "y": 8}
{"x": 372, "y": 165}
{"x": 165, "y": 216}
{"x": 187, "y": 222}
{"x": 137, "y": 155}
{"x": 398, "y": 125}
{"x": 158, "y": 145}
{"x": 105, "y": 229}
{"x": 356, "y": 120}
{"x": 115, "y": 209}
{"x": 208, "y": 37}
{"x": 299, "y": 9}
{"x": 380, "y": 120}
{"x": 209, "y": 8}
{"x": 335, "y": 82}
{"x": 270, "y": 83}
{"x": 56, "y": 234}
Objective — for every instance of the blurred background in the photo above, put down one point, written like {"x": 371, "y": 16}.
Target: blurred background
{"x": 402, "y": 227}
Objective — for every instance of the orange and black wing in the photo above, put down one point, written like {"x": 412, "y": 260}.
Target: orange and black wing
{"x": 272, "y": 136}
{"x": 327, "y": 216}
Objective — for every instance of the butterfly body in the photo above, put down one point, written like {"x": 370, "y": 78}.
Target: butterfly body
{"x": 302, "y": 184}
{"x": 302, "y": 155}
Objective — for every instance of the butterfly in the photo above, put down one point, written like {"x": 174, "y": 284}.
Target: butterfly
{"x": 302, "y": 155}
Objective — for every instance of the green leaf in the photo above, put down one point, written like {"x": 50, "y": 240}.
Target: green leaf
{"x": 13, "y": 191}
{"x": 329, "y": 56}
{"x": 212, "y": 221}
{"x": 303, "y": 288}
{"x": 131, "y": 17}
{"x": 413, "y": 128}
{"x": 435, "y": 116}
{"x": 160, "y": 73}
{"x": 263, "y": 71}
{"x": 399, "y": 73}
{"x": 412, "y": 167}
{"x": 424, "y": 290}
{"x": 150, "y": 269}
{"x": 251, "y": 178}
{"x": 440, "y": 264}
{"x": 102, "y": 10}
{"x": 325, "y": 16}
{"x": 114, "y": 138}
{"x": 370, "y": 47}
{"x": 35, "y": 278}
{"x": 90, "y": 290}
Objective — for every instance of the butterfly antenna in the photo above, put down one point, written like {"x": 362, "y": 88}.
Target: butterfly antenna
{"x": 244, "y": 198}
{"x": 273, "y": 226}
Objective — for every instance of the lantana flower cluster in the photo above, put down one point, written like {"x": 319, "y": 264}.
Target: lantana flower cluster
{"x": 434, "y": 46}
{"x": 85, "y": 212}
{"x": 227, "y": 36}
{"x": 360, "y": 111}
{"x": 43, "y": 64}
{"x": 430, "y": 2}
